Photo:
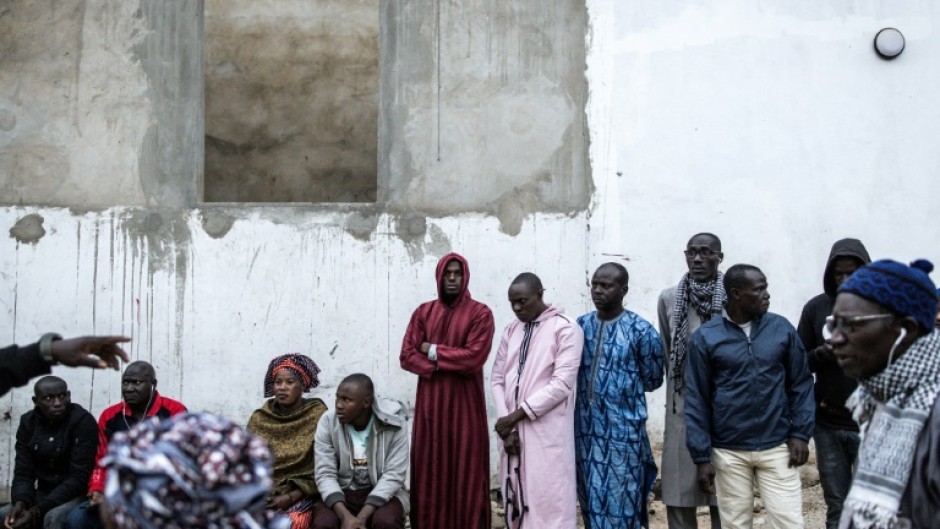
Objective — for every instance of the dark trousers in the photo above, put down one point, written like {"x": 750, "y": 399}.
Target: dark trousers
{"x": 836, "y": 451}
{"x": 389, "y": 516}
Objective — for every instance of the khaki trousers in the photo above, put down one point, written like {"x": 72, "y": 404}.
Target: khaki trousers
{"x": 780, "y": 487}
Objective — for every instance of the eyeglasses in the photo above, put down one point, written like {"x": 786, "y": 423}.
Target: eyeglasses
{"x": 704, "y": 252}
{"x": 848, "y": 324}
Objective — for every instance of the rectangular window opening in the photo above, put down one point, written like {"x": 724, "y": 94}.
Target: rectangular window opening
{"x": 291, "y": 101}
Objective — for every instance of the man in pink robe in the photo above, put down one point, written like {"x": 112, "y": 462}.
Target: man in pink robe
{"x": 447, "y": 342}
{"x": 533, "y": 382}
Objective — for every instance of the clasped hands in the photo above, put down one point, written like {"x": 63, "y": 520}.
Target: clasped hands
{"x": 506, "y": 429}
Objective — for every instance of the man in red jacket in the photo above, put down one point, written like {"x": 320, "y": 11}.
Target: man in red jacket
{"x": 141, "y": 401}
{"x": 446, "y": 345}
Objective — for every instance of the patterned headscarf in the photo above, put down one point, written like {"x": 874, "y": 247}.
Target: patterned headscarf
{"x": 300, "y": 365}
{"x": 192, "y": 470}
{"x": 707, "y": 300}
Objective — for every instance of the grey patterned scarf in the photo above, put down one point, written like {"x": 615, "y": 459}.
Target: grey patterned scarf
{"x": 707, "y": 299}
{"x": 908, "y": 389}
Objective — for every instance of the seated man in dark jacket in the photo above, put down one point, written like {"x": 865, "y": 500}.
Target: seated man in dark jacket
{"x": 749, "y": 406}
{"x": 55, "y": 454}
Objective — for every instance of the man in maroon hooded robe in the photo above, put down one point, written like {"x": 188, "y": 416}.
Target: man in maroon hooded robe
{"x": 446, "y": 345}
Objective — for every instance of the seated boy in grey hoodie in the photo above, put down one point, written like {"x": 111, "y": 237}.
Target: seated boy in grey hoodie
{"x": 361, "y": 460}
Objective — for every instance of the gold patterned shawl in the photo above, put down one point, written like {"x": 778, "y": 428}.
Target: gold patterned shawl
{"x": 290, "y": 438}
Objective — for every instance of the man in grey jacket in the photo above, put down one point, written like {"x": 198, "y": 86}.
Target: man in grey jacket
{"x": 361, "y": 454}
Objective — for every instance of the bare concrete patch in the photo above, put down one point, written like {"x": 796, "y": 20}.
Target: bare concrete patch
{"x": 361, "y": 225}
{"x": 411, "y": 227}
{"x": 166, "y": 236}
{"x": 28, "y": 230}
{"x": 217, "y": 224}
{"x": 420, "y": 237}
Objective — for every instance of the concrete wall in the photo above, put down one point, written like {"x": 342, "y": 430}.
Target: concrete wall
{"x": 775, "y": 127}
{"x": 211, "y": 292}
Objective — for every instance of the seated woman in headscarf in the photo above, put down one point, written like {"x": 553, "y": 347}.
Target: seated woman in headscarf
{"x": 288, "y": 422}
{"x": 194, "y": 470}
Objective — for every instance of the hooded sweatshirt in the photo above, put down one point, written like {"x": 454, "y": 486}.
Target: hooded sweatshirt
{"x": 833, "y": 388}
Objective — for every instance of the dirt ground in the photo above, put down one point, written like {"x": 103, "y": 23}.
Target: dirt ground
{"x": 814, "y": 507}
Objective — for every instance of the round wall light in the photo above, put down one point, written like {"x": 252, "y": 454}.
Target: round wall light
{"x": 889, "y": 43}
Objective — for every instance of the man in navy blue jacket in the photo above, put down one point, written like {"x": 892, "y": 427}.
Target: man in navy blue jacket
{"x": 749, "y": 406}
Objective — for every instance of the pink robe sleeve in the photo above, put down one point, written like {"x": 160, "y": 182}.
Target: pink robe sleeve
{"x": 411, "y": 357}
{"x": 469, "y": 359}
{"x": 567, "y": 361}
{"x": 498, "y": 376}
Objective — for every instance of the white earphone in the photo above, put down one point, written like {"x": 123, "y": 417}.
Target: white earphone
{"x": 895, "y": 346}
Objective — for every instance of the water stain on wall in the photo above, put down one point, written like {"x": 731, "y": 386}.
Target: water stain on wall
{"x": 28, "y": 230}
{"x": 217, "y": 224}
{"x": 421, "y": 237}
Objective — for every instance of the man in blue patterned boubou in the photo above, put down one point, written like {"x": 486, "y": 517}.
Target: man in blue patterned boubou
{"x": 621, "y": 361}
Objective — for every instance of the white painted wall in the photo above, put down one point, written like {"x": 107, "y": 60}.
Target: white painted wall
{"x": 211, "y": 314}
{"x": 772, "y": 125}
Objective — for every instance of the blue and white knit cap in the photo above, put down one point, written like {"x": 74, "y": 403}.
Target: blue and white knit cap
{"x": 905, "y": 290}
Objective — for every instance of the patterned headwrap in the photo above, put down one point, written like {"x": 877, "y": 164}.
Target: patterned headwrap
{"x": 192, "y": 470}
{"x": 300, "y": 365}
{"x": 905, "y": 290}
{"x": 707, "y": 300}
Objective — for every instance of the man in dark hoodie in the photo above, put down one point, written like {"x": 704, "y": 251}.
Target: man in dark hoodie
{"x": 836, "y": 433}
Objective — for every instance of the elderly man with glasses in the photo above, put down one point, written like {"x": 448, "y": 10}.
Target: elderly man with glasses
{"x": 882, "y": 333}
{"x": 698, "y": 297}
